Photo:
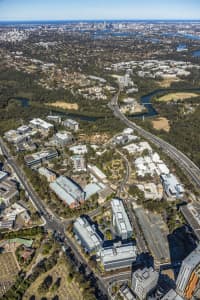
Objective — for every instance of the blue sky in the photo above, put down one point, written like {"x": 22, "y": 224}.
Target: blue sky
{"x": 98, "y": 9}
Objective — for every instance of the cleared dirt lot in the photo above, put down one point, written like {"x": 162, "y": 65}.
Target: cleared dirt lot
{"x": 161, "y": 124}
{"x": 177, "y": 96}
{"x": 64, "y": 105}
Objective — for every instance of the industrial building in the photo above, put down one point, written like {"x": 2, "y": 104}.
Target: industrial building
{"x": 39, "y": 157}
{"x": 68, "y": 191}
{"x": 144, "y": 282}
{"x": 40, "y": 124}
{"x": 172, "y": 186}
{"x": 188, "y": 276}
{"x": 118, "y": 256}
{"x": 63, "y": 138}
{"x": 87, "y": 235}
{"x": 120, "y": 220}
{"x": 71, "y": 124}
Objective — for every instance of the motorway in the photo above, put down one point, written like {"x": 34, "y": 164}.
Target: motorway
{"x": 51, "y": 222}
{"x": 188, "y": 167}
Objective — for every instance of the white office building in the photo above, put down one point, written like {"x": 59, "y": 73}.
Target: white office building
{"x": 63, "y": 138}
{"x": 120, "y": 220}
{"x": 144, "y": 282}
{"x": 71, "y": 124}
{"x": 41, "y": 124}
{"x": 172, "y": 186}
{"x": 87, "y": 235}
{"x": 118, "y": 256}
{"x": 189, "y": 264}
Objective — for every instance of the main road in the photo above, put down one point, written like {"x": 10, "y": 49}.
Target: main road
{"x": 191, "y": 170}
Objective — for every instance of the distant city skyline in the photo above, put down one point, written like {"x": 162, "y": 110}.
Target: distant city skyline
{"x": 30, "y": 10}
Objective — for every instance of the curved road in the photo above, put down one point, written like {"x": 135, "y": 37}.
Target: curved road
{"x": 189, "y": 168}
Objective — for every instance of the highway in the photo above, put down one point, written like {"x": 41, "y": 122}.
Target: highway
{"x": 188, "y": 167}
{"x": 51, "y": 222}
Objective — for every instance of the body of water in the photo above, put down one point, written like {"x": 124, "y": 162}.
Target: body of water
{"x": 144, "y": 100}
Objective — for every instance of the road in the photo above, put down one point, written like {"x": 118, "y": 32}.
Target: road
{"x": 188, "y": 167}
{"x": 51, "y": 221}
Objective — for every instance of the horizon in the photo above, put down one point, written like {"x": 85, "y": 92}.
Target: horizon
{"x": 49, "y": 10}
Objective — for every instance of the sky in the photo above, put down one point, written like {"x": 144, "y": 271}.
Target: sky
{"x": 98, "y": 9}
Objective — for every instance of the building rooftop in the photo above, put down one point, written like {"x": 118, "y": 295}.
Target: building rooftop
{"x": 120, "y": 215}
{"x": 191, "y": 213}
{"x": 146, "y": 276}
{"x": 67, "y": 190}
{"x": 115, "y": 253}
{"x": 41, "y": 123}
{"x": 87, "y": 232}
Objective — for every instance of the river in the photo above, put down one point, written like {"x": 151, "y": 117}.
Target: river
{"x": 144, "y": 100}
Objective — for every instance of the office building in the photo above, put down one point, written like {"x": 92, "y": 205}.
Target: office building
{"x": 79, "y": 163}
{"x": 171, "y": 186}
{"x": 40, "y": 124}
{"x": 71, "y": 124}
{"x": 23, "y": 129}
{"x": 8, "y": 190}
{"x": 68, "y": 191}
{"x": 63, "y": 138}
{"x": 187, "y": 277}
{"x": 56, "y": 119}
{"x": 95, "y": 171}
{"x": 40, "y": 157}
{"x": 120, "y": 220}
{"x": 144, "y": 282}
{"x": 118, "y": 256}
{"x": 50, "y": 176}
{"x": 79, "y": 149}
{"x": 87, "y": 235}
{"x": 3, "y": 175}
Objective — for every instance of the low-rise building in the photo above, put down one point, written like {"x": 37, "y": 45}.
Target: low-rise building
{"x": 87, "y": 235}
{"x": 71, "y": 124}
{"x": 50, "y": 176}
{"x": 3, "y": 175}
{"x": 8, "y": 190}
{"x": 95, "y": 171}
{"x": 40, "y": 157}
{"x": 79, "y": 149}
{"x": 172, "y": 186}
{"x": 40, "y": 124}
{"x": 68, "y": 191}
{"x": 120, "y": 220}
{"x": 118, "y": 256}
{"x": 79, "y": 163}
{"x": 144, "y": 282}
{"x": 126, "y": 293}
{"x": 56, "y": 119}
{"x": 63, "y": 138}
